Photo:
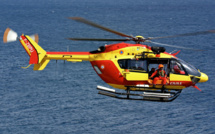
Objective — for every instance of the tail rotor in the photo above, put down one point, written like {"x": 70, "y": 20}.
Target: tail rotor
{"x": 9, "y": 36}
{"x": 35, "y": 37}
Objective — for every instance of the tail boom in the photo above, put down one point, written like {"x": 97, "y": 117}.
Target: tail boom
{"x": 39, "y": 57}
{"x": 69, "y": 56}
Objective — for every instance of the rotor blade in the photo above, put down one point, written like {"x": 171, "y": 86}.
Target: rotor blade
{"x": 157, "y": 43}
{"x": 97, "y": 39}
{"x": 186, "y": 34}
{"x": 82, "y": 20}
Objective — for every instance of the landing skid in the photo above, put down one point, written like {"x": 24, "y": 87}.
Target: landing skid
{"x": 160, "y": 95}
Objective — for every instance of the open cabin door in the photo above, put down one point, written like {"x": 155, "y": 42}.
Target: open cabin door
{"x": 136, "y": 70}
{"x": 136, "y": 76}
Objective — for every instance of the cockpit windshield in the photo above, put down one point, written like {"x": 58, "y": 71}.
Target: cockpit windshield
{"x": 190, "y": 69}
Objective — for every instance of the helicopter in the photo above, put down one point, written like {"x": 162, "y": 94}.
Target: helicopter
{"x": 123, "y": 65}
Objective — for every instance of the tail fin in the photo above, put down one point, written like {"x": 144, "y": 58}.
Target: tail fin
{"x": 35, "y": 52}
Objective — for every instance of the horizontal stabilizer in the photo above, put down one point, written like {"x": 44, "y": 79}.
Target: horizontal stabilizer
{"x": 42, "y": 65}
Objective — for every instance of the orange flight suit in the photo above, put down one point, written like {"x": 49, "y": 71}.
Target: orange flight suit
{"x": 160, "y": 75}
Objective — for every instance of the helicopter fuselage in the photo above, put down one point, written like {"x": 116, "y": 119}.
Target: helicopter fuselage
{"x": 123, "y": 64}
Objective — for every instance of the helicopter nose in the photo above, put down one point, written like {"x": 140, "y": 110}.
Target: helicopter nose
{"x": 203, "y": 78}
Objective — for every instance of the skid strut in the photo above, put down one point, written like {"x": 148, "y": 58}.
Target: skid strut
{"x": 128, "y": 92}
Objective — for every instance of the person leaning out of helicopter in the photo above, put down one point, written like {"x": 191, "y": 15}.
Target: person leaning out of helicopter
{"x": 160, "y": 75}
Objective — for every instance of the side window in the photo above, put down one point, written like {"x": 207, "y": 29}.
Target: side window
{"x": 133, "y": 64}
{"x": 137, "y": 65}
{"x": 122, "y": 64}
{"x": 176, "y": 68}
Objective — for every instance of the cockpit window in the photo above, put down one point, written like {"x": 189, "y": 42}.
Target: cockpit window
{"x": 190, "y": 69}
{"x": 176, "y": 67}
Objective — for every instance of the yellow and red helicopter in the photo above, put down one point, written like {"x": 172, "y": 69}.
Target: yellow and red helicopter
{"x": 123, "y": 65}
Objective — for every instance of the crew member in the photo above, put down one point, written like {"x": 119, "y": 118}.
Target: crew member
{"x": 178, "y": 70}
{"x": 160, "y": 75}
{"x": 151, "y": 72}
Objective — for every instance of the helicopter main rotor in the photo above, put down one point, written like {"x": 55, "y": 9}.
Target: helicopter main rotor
{"x": 136, "y": 39}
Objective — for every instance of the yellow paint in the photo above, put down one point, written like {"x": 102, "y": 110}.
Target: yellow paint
{"x": 27, "y": 66}
{"x": 174, "y": 87}
{"x": 137, "y": 76}
{"x": 178, "y": 77}
{"x": 74, "y": 60}
{"x": 40, "y": 51}
{"x": 67, "y": 57}
{"x": 129, "y": 53}
{"x": 117, "y": 86}
{"x": 203, "y": 77}
{"x": 42, "y": 65}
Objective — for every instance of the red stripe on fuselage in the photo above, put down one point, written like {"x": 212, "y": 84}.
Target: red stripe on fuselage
{"x": 181, "y": 83}
{"x": 69, "y": 53}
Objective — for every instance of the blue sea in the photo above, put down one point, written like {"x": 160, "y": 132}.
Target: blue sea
{"x": 63, "y": 99}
